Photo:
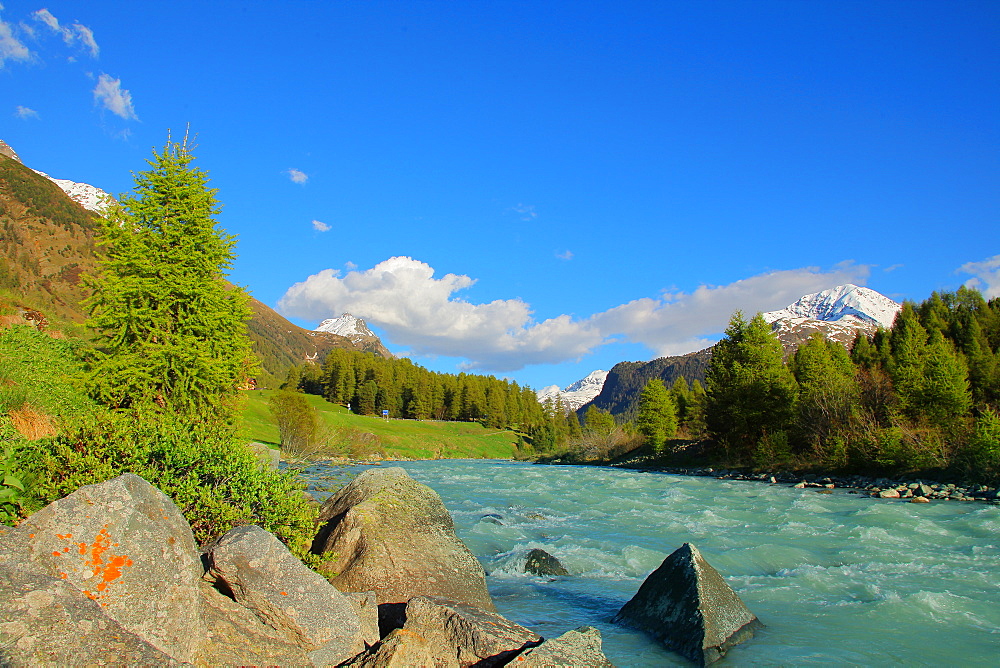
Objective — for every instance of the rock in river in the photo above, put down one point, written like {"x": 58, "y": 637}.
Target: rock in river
{"x": 385, "y": 532}
{"x": 687, "y": 605}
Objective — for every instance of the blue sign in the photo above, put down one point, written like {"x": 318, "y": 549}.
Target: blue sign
{"x": 385, "y": 413}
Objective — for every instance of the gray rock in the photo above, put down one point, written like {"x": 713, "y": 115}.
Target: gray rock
{"x": 385, "y": 532}
{"x": 540, "y": 562}
{"x": 47, "y": 621}
{"x": 403, "y": 649}
{"x": 473, "y": 636}
{"x": 269, "y": 580}
{"x": 366, "y": 605}
{"x": 687, "y": 605}
{"x": 888, "y": 494}
{"x": 235, "y": 636}
{"x": 124, "y": 545}
{"x": 573, "y": 649}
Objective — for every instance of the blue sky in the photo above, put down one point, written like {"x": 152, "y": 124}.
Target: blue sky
{"x": 540, "y": 189}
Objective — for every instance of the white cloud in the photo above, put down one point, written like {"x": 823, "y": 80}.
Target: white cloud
{"x": 11, "y": 47}
{"x": 297, "y": 176}
{"x": 526, "y": 212}
{"x": 680, "y": 323}
{"x": 320, "y": 226}
{"x": 986, "y": 276}
{"x": 565, "y": 255}
{"x": 110, "y": 95}
{"x": 402, "y": 298}
{"x": 70, "y": 34}
{"x": 25, "y": 112}
{"x": 86, "y": 35}
{"x": 46, "y": 17}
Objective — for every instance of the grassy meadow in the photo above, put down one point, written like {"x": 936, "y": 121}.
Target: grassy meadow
{"x": 360, "y": 437}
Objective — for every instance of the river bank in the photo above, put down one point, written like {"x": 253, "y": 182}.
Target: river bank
{"x": 914, "y": 488}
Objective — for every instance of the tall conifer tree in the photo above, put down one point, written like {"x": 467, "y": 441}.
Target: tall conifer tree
{"x": 173, "y": 330}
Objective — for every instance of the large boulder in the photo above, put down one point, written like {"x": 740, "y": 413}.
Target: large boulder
{"x": 573, "y": 649}
{"x": 235, "y": 636}
{"x": 385, "y": 532}
{"x": 266, "y": 578}
{"x": 45, "y": 621}
{"x": 690, "y": 608}
{"x": 123, "y": 545}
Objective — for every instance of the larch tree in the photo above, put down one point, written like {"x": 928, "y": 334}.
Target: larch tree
{"x": 173, "y": 331}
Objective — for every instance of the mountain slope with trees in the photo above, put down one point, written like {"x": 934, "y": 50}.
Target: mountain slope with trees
{"x": 48, "y": 244}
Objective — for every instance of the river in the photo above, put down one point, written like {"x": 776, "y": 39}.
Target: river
{"x": 836, "y": 578}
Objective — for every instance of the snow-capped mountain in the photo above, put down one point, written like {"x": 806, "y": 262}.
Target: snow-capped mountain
{"x": 839, "y": 313}
{"x": 88, "y": 196}
{"x": 844, "y": 302}
{"x": 356, "y": 331}
{"x": 346, "y": 325}
{"x": 578, "y": 393}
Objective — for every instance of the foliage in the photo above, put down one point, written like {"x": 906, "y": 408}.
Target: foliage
{"x": 12, "y": 487}
{"x": 369, "y": 384}
{"x": 216, "y": 481}
{"x": 44, "y": 372}
{"x": 173, "y": 332}
{"x": 751, "y": 393}
{"x": 981, "y": 455}
{"x": 597, "y": 421}
{"x": 303, "y": 435}
{"x": 657, "y": 415}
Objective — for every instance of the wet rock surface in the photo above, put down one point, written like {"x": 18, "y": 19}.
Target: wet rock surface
{"x": 689, "y": 607}
{"x": 540, "y": 562}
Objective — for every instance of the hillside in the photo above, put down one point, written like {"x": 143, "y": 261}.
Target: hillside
{"x": 625, "y": 381}
{"x": 48, "y": 244}
{"x": 361, "y": 437}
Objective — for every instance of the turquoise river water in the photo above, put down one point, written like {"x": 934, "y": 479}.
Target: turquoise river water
{"x": 836, "y": 578}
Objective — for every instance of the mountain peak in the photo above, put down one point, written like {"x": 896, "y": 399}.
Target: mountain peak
{"x": 847, "y": 304}
{"x": 6, "y": 150}
{"x": 578, "y": 393}
{"x": 345, "y": 325}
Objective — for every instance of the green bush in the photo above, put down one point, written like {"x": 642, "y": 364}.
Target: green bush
{"x": 981, "y": 454}
{"x": 215, "y": 480}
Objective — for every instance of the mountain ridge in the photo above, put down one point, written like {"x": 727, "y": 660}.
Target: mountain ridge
{"x": 838, "y": 313}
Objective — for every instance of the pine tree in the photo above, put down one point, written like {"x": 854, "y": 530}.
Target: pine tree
{"x": 597, "y": 421}
{"x": 751, "y": 394}
{"x": 173, "y": 331}
{"x": 657, "y": 415}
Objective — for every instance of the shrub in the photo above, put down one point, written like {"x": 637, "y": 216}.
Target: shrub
{"x": 215, "y": 480}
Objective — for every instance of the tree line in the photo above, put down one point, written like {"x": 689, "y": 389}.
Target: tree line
{"x": 921, "y": 395}
{"x": 369, "y": 384}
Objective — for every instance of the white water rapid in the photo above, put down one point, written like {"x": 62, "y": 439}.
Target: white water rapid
{"x": 836, "y": 578}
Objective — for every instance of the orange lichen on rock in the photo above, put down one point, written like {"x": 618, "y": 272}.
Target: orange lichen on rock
{"x": 103, "y": 564}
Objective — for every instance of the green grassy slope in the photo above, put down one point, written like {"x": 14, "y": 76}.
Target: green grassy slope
{"x": 358, "y": 435}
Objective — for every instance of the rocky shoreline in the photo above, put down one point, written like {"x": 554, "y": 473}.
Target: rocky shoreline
{"x": 914, "y": 490}
{"x": 111, "y": 575}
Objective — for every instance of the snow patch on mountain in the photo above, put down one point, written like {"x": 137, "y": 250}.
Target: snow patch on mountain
{"x": 88, "y": 196}
{"x": 848, "y": 304}
{"x": 347, "y": 326}
{"x": 578, "y": 393}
